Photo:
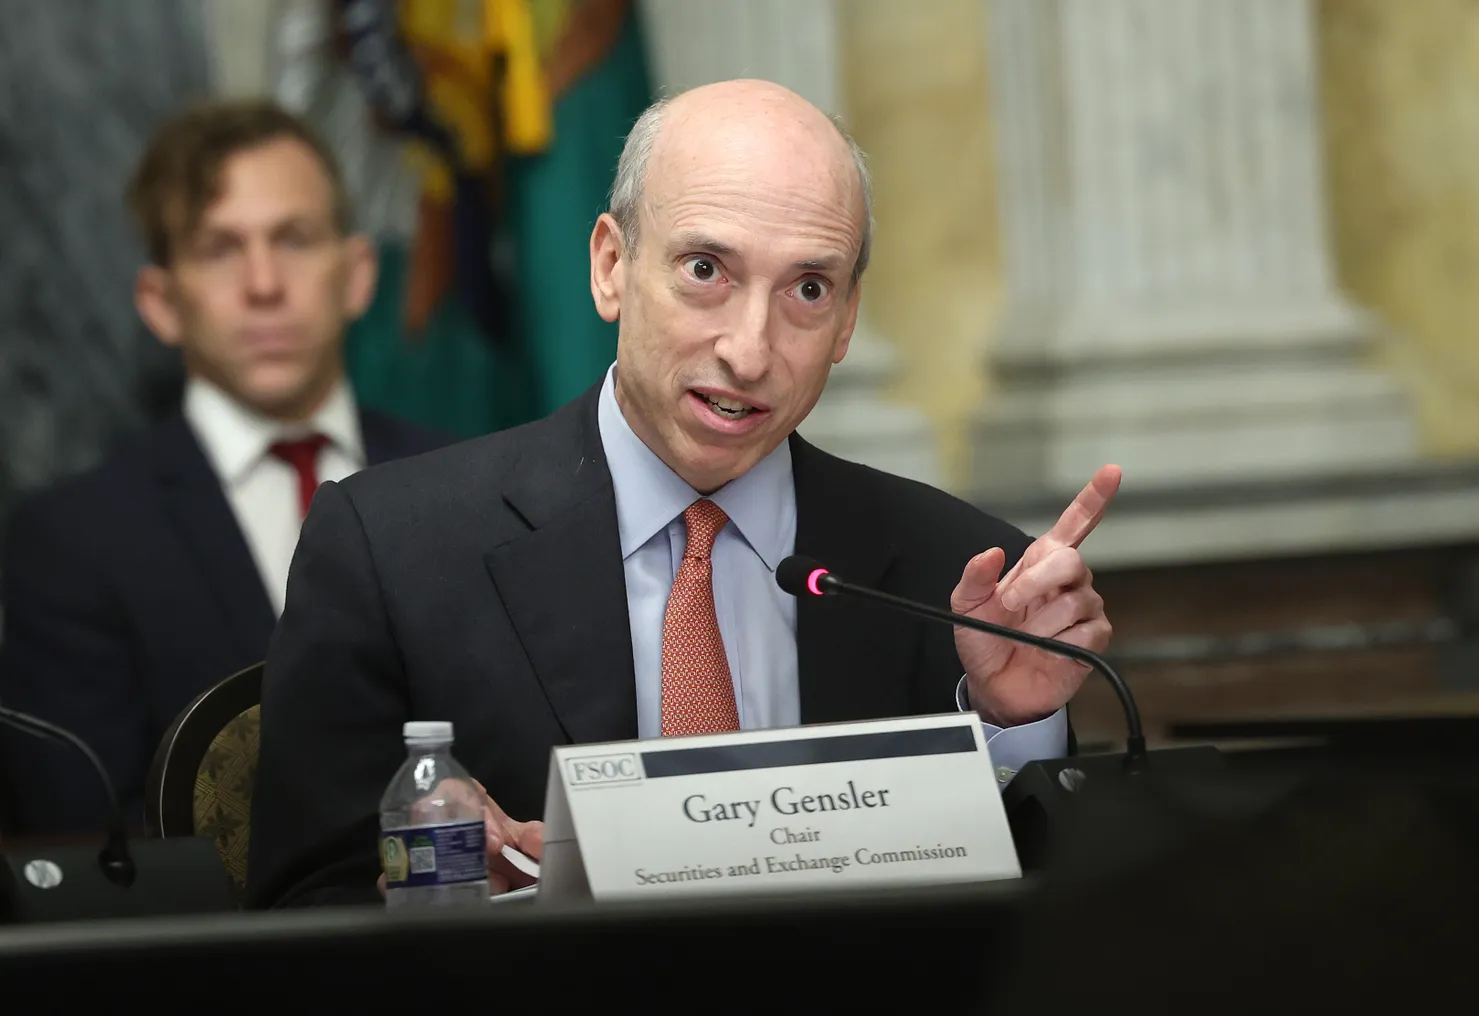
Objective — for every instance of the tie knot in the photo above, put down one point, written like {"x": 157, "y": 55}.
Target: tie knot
{"x": 300, "y": 453}
{"x": 704, "y": 519}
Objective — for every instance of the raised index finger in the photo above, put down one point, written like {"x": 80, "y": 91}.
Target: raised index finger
{"x": 1079, "y": 520}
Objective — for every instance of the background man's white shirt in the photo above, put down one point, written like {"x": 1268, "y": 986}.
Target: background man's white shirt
{"x": 261, "y": 488}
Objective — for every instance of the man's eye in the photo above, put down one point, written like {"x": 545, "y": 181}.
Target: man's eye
{"x": 702, "y": 268}
{"x": 812, "y": 290}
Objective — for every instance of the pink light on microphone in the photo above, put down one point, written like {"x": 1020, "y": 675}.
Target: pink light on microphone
{"x": 813, "y": 579}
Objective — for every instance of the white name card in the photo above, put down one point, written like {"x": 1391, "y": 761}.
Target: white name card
{"x": 889, "y": 802}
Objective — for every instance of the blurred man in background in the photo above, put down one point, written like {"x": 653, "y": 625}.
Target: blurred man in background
{"x": 132, "y": 588}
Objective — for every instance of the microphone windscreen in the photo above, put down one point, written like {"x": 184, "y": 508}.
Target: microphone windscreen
{"x": 794, "y": 575}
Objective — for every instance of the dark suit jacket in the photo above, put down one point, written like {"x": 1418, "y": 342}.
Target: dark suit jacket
{"x": 127, "y": 591}
{"x": 483, "y": 584}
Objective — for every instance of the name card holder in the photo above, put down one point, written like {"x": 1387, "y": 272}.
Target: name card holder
{"x": 909, "y": 801}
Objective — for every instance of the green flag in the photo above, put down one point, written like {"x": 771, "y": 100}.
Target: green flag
{"x": 554, "y": 199}
{"x": 451, "y": 377}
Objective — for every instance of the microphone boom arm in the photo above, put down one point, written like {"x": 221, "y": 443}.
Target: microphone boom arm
{"x": 116, "y": 862}
{"x": 1135, "y": 739}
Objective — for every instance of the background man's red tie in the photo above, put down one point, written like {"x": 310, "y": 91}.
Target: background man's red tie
{"x": 302, "y": 455}
{"x": 697, "y": 689}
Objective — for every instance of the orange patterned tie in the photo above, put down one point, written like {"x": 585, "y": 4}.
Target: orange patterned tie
{"x": 697, "y": 692}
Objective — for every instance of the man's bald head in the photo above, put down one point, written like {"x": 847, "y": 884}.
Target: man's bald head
{"x": 753, "y": 213}
{"x": 740, "y": 115}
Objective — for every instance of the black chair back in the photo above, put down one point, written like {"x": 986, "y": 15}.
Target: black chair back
{"x": 169, "y": 795}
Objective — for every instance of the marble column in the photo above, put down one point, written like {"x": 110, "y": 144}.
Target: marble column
{"x": 794, "y": 43}
{"x": 1170, "y": 298}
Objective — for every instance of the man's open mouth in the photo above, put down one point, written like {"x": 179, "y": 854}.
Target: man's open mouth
{"x": 728, "y": 408}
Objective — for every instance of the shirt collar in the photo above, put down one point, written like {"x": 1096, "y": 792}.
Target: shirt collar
{"x": 649, "y": 495}
{"x": 235, "y": 437}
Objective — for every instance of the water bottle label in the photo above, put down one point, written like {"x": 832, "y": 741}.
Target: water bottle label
{"x": 434, "y": 855}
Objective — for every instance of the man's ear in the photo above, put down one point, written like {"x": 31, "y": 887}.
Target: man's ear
{"x": 850, "y": 309}
{"x": 608, "y": 268}
{"x": 153, "y": 296}
{"x": 363, "y": 268}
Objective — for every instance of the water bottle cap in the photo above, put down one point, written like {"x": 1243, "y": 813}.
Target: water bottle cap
{"x": 427, "y": 730}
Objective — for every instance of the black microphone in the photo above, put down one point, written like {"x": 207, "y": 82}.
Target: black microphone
{"x": 1083, "y": 814}
{"x": 181, "y": 875}
{"x": 115, "y": 862}
{"x": 803, "y": 576}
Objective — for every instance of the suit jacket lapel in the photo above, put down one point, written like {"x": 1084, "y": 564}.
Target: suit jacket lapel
{"x": 563, "y": 583}
{"x": 197, "y": 506}
{"x": 853, "y": 658}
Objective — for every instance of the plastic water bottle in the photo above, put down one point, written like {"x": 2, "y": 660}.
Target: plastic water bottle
{"x": 433, "y": 846}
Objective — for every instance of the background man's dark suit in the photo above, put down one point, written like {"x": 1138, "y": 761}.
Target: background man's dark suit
{"x": 483, "y": 584}
{"x": 127, "y": 591}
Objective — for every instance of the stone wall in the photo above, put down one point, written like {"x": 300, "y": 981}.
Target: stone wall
{"x": 1399, "y": 96}
{"x": 917, "y": 101}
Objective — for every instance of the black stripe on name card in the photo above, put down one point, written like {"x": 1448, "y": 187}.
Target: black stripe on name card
{"x": 807, "y": 751}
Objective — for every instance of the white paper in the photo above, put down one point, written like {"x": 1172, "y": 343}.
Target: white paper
{"x": 521, "y": 861}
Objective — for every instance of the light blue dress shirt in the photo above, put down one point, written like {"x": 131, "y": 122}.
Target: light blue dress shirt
{"x": 757, "y": 621}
